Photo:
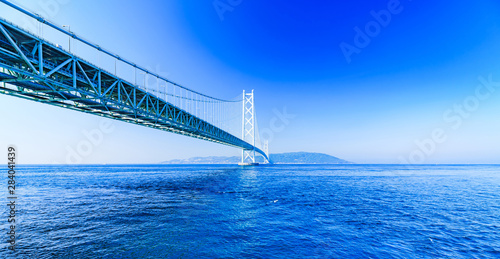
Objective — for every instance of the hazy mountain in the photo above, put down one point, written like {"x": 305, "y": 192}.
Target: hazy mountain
{"x": 283, "y": 158}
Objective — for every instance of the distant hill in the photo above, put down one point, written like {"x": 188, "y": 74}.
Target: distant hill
{"x": 283, "y": 158}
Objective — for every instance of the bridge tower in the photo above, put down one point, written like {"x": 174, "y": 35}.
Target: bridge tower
{"x": 248, "y": 129}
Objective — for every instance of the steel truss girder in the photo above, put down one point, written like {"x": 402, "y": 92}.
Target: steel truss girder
{"x": 68, "y": 81}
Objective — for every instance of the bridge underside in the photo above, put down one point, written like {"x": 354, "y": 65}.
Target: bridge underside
{"x": 34, "y": 69}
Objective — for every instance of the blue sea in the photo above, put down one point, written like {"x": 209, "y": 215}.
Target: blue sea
{"x": 267, "y": 211}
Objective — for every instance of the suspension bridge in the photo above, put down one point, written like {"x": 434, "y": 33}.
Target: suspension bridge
{"x": 33, "y": 68}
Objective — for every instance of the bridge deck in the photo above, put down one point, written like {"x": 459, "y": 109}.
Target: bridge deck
{"x": 35, "y": 69}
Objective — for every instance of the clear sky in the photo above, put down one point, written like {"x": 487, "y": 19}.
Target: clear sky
{"x": 366, "y": 81}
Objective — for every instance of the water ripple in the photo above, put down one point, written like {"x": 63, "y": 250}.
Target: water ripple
{"x": 317, "y": 211}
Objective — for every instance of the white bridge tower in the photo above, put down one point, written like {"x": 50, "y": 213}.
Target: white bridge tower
{"x": 248, "y": 129}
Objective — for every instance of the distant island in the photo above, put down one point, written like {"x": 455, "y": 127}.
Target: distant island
{"x": 283, "y": 158}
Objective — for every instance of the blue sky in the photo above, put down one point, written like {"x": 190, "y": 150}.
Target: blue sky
{"x": 405, "y": 84}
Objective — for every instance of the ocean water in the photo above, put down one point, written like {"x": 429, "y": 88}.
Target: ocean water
{"x": 278, "y": 211}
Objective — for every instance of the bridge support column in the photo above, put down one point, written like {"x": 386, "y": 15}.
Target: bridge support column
{"x": 248, "y": 129}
